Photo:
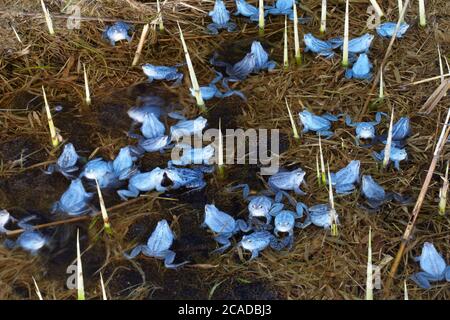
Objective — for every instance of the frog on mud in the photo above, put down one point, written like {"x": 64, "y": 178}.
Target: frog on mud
{"x": 387, "y": 29}
{"x": 320, "y": 47}
{"x": 285, "y": 222}
{"x": 162, "y": 73}
{"x": 143, "y": 182}
{"x": 223, "y": 225}
{"x": 186, "y": 178}
{"x": 361, "y": 69}
{"x": 364, "y": 130}
{"x": 247, "y": 10}
{"x": 74, "y": 201}
{"x": 260, "y": 240}
{"x": 30, "y": 240}
{"x": 158, "y": 246}
{"x": 66, "y": 163}
{"x": 287, "y": 181}
{"x": 396, "y": 155}
{"x": 211, "y": 91}
{"x": 238, "y": 71}
{"x": 193, "y": 155}
{"x": 186, "y": 128}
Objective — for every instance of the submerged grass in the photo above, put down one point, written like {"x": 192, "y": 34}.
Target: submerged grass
{"x": 319, "y": 266}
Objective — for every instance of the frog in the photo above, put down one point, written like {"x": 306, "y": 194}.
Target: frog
{"x": 240, "y": 70}
{"x": 285, "y": 221}
{"x": 287, "y": 181}
{"x": 5, "y": 218}
{"x": 143, "y": 182}
{"x": 74, "y": 201}
{"x": 221, "y": 19}
{"x": 117, "y": 32}
{"x": 401, "y": 130}
{"x": 345, "y": 179}
{"x": 123, "y": 165}
{"x": 361, "y": 69}
{"x": 223, "y": 225}
{"x": 364, "y": 130}
{"x": 151, "y": 145}
{"x": 162, "y": 73}
{"x": 66, "y": 163}
{"x": 321, "y": 47}
{"x": 30, "y": 240}
{"x": 321, "y": 125}
{"x": 360, "y": 44}
{"x": 374, "y": 194}
{"x": 320, "y": 215}
{"x": 433, "y": 267}
{"x": 247, "y": 10}
{"x": 396, "y": 155}
{"x": 281, "y": 7}
{"x": 261, "y": 58}
{"x": 158, "y": 246}
{"x": 194, "y": 155}
{"x": 188, "y": 128}
{"x": 185, "y": 177}
{"x": 152, "y": 127}
{"x": 100, "y": 170}
{"x": 386, "y": 29}
{"x": 258, "y": 241}
{"x": 211, "y": 91}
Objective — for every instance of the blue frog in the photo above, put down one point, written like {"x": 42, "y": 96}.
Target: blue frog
{"x": 247, "y": 10}
{"x": 158, "y": 246}
{"x": 30, "y": 240}
{"x": 433, "y": 267}
{"x": 345, "y": 179}
{"x": 320, "y": 47}
{"x": 143, "y": 182}
{"x": 211, "y": 91}
{"x": 151, "y": 127}
{"x": 401, "y": 130}
{"x": 186, "y": 128}
{"x": 361, "y": 69}
{"x": 319, "y": 124}
{"x": 117, "y": 32}
{"x": 396, "y": 155}
{"x": 360, "y": 44}
{"x": 221, "y": 19}
{"x": 162, "y": 73}
{"x": 321, "y": 215}
{"x": 364, "y": 130}
{"x": 151, "y": 145}
{"x": 74, "y": 201}
{"x": 66, "y": 163}
{"x": 260, "y": 240}
{"x": 386, "y": 30}
{"x": 261, "y": 58}
{"x": 186, "y": 178}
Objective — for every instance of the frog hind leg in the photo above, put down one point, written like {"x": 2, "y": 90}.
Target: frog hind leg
{"x": 225, "y": 241}
{"x": 231, "y": 26}
{"x": 169, "y": 257}
{"x": 422, "y": 279}
{"x": 447, "y": 273}
{"x": 255, "y": 254}
{"x": 212, "y": 29}
{"x": 325, "y": 133}
{"x": 132, "y": 192}
{"x": 345, "y": 188}
{"x": 135, "y": 252}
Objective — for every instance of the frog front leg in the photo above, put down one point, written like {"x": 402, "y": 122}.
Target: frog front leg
{"x": 213, "y": 29}
{"x": 447, "y": 273}
{"x": 135, "y": 252}
{"x": 299, "y": 191}
{"x": 255, "y": 254}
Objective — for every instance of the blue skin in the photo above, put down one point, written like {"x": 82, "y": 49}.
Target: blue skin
{"x": 400, "y": 131}
{"x": 221, "y": 19}
{"x": 396, "y": 155}
{"x": 287, "y": 181}
{"x": 123, "y": 165}
{"x": 433, "y": 266}
{"x": 66, "y": 162}
{"x": 162, "y": 73}
{"x": 373, "y": 192}
{"x": 261, "y": 58}
{"x": 158, "y": 246}
{"x": 319, "y": 124}
{"x": 194, "y": 155}
{"x": 188, "y": 128}
{"x": 361, "y": 69}
{"x": 223, "y": 225}
{"x": 211, "y": 91}
{"x": 345, "y": 179}
{"x": 259, "y": 240}
{"x": 151, "y": 128}
{"x": 285, "y": 222}
{"x": 386, "y": 30}
{"x": 5, "y": 217}
{"x": 240, "y": 70}
{"x": 322, "y": 48}
{"x": 100, "y": 170}
{"x": 116, "y": 32}
{"x": 143, "y": 182}
{"x": 151, "y": 145}
{"x": 364, "y": 130}
{"x": 186, "y": 178}
{"x": 247, "y": 10}
{"x": 360, "y": 44}
{"x": 30, "y": 240}
{"x": 74, "y": 201}
{"x": 319, "y": 215}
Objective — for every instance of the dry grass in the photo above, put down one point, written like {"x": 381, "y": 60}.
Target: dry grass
{"x": 319, "y": 266}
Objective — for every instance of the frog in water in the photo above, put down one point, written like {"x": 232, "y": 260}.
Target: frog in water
{"x": 145, "y": 181}
{"x": 74, "y": 201}
{"x": 188, "y": 128}
{"x": 66, "y": 163}
{"x": 261, "y": 58}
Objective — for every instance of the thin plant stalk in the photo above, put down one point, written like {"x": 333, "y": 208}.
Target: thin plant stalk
{"x": 381, "y": 94}
{"x": 160, "y": 18}
{"x": 195, "y": 86}
{"x": 387, "y": 149}
{"x": 405, "y": 290}
{"x": 377, "y": 7}
{"x": 51, "y": 126}
{"x": 285, "y": 52}
{"x": 80, "y": 281}
{"x": 346, "y": 31}
{"x": 140, "y": 46}
{"x": 220, "y": 166}
{"x": 415, "y": 213}
{"x": 291, "y": 118}
{"x": 105, "y": 217}
{"x": 318, "y": 169}
{"x": 297, "y": 52}
{"x": 323, "y": 17}
{"x": 422, "y": 16}
{"x": 48, "y": 18}
{"x": 86, "y": 87}
{"x": 102, "y": 284}
{"x": 261, "y": 18}
{"x": 322, "y": 163}
{"x": 400, "y": 9}
{"x": 38, "y": 292}
{"x": 369, "y": 277}
{"x": 443, "y": 194}
{"x": 16, "y": 34}
{"x": 334, "y": 227}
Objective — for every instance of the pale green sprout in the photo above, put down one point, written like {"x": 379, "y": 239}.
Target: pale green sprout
{"x": 80, "y": 281}
{"x": 285, "y": 52}
{"x": 160, "y": 18}
{"x": 387, "y": 149}
{"x": 346, "y": 31}
{"x": 422, "y": 16}
{"x": 369, "y": 278}
{"x": 298, "y": 55}
{"x": 318, "y": 169}
{"x": 102, "y": 284}
{"x": 400, "y": 9}
{"x": 443, "y": 193}
{"x": 405, "y": 290}
{"x": 261, "y": 18}
{"x": 105, "y": 217}
{"x": 86, "y": 87}
{"x": 333, "y": 215}
{"x": 140, "y": 46}
{"x": 48, "y": 19}
{"x": 16, "y": 34}
{"x": 51, "y": 126}
{"x": 381, "y": 94}
{"x": 195, "y": 86}
{"x": 291, "y": 118}
{"x": 38, "y": 292}
{"x": 323, "y": 17}
{"x": 220, "y": 151}
{"x": 322, "y": 163}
